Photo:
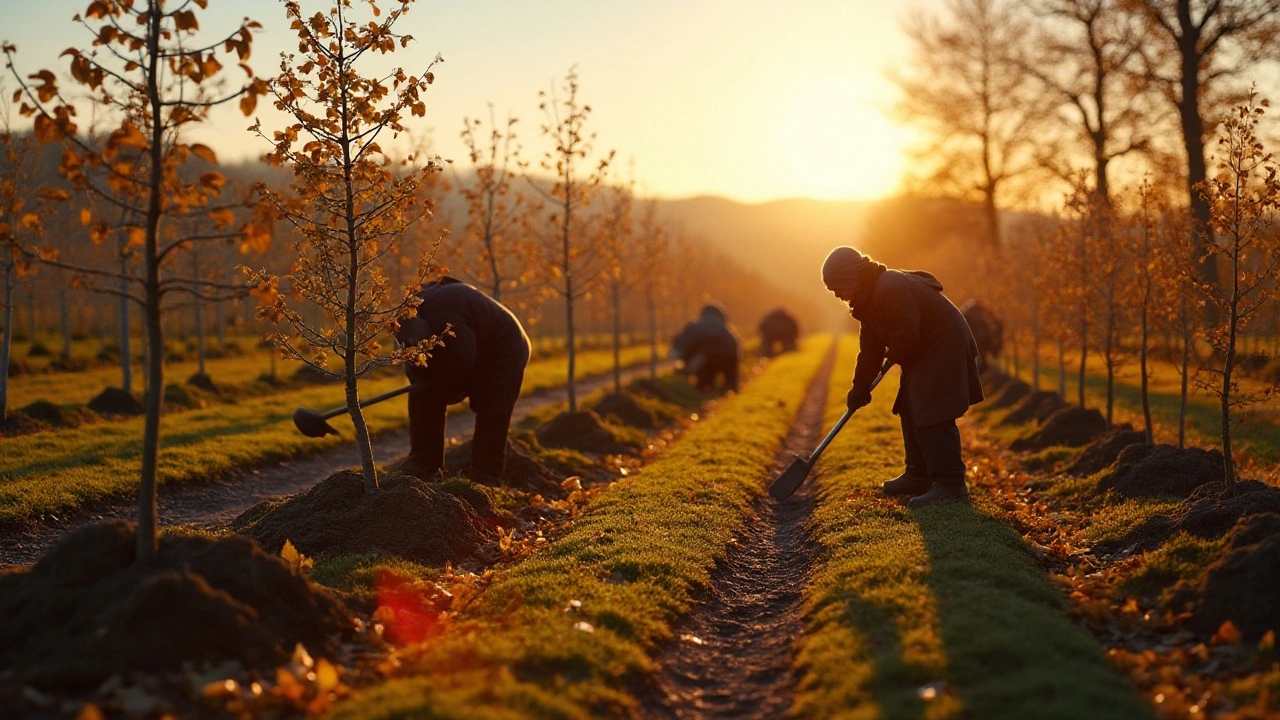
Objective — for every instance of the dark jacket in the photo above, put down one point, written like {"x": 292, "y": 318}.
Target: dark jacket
{"x": 779, "y": 325}
{"x": 488, "y": 342}
{"x": 906, "y": 317}
{"x": 708, "y": 336}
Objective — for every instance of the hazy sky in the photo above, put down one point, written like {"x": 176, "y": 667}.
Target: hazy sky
{"x": 751, "y": 99}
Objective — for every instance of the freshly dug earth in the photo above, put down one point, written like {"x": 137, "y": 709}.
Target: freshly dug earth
{"x": 1254, "y": 529}
{"x": 523, "y": 470}
{"x": 85, "y": 611}
{"x": 1071, "y": 426}
{"x": 406, "y": 517}
{"x": 1103, "y": 452}
{"x": 625, "y": 409}
{"x": 1243, "y": 587}
{"x": 115, "y": 401}
{"x": 1145, "y": 470}
{"x": 1011, "y": 394}
{"x": 1210, "y": 512}
{"x": 203, "y": 381}
{"x": 583, "y": 431}
{"x": 1037, "y": 406}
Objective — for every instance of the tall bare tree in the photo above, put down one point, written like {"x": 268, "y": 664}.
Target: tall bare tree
{"x": 494, "y": 207}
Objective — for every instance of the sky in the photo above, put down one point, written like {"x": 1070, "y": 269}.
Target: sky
{"x": 749, "y": 99}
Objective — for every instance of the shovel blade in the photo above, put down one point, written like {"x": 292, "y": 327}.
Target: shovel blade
{"x": 790, "y": 480}
{"x": 311, "y": 423}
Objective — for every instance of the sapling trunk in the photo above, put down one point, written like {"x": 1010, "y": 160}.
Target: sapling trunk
{"x": 1185, "y": 315}
{"x": 617, "y": 335}
{"x": 567, "y": 268}
{"x": 653, "y": 332}
{"x": 6, "y": 343}
{"x": 1143, "y": 372}
{"x": 1109, "y": 355}
{"x": 1084, "y": 358}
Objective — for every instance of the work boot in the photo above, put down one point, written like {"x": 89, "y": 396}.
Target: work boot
{"x": 949, "y": 489}
{"x": 417, "y": 467}
{"x": 906, "y": 484}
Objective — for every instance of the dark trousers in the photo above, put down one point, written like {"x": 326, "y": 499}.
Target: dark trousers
{"x": 933, "y": 451}
{"x": 492, "y": 401}
{"x": 714, "y": 365}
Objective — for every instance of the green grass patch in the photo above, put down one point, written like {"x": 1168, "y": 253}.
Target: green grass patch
{"x": 932, "y": 613}
{"x": 634, "y": 561}
{"x": 46, "y": 471}
{"x": 1182, "y": 559}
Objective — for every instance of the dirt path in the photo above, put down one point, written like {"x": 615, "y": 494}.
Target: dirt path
{"x": 221, "y": 499}
{"x": 732, "y": 656}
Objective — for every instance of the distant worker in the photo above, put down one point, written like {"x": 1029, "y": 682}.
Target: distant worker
{"x": 987, "y": 329}
{"x": 484, "y": 360}
{"x": 778, "y": 329}
{"x": 906, "y": 317}
{"x": 709, "y": 348}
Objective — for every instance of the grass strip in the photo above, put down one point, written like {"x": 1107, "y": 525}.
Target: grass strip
{"x": 633, "y": 563}
{"x": 48, "y": 471}
{"x": 932, "y": 613}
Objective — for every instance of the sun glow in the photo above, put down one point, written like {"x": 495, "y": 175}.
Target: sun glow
{"x": 837, "y": 145}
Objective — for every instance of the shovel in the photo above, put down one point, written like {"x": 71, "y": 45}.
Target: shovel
{"x": 793, "y": 477}
{"x": 314, "y": 424}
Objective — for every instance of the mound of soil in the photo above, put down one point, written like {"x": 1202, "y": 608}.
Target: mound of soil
{"x": 1210, "y": 512}
{"x": 1243, "y": 587}
{"x": 1071, "y": 426}
{"x": 1103, "y": 452}
{"x": 1011, "y": 394}
{"x": 1254, "y": 529}
{"x": 523, "y": 469}
{"x": 18, "y": 423}
{"x": 202, "y": 381}
{"x": 86, "y": 612}
{"x": 406, "y": 517}
{"x": 657, "y": 390}
{"x": 1148, "y": 470}
{"x": 1038, "y": 407}
{"x": 115, "y": 401}
{"x": 624, "y": 409}
{"x": 18, "y": 367}
{"x": 583, "y": 431}
{"x": 44, "y": 411}
{"x": 312, "y": 376}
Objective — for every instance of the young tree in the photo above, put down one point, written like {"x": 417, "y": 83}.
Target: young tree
{"x": 1078, "y": 249}
{"x": 1242, "y": 200}
{"x": 494, "y": 208}
{"x": 1111, "y": 282}
{"x": 148, "y": 63}
{"x": 573, "y": 263}
{"x": 346, "y": 203}
{"x": 652, "y": 255}
{"x": 618, "y": 232}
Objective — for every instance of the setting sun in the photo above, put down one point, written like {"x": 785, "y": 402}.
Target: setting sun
{"x": 836, "y": 145}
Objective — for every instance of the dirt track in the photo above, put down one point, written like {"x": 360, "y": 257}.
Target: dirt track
{"x": 732, "y": 656}
{"x": 221, "y": 499}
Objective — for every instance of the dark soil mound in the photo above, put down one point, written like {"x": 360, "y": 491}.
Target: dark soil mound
{"x": 1243, "y": 587}
{"x": 1104, "y": 451}
{"x": 659, "y": 391}
{"x": 202, "y": 381}
{"x": 1148, "y": 470}
{"x": 523, "y": 469}
{"x": 1254, "y": 529}
{"x": 624, "y": 408}
{"x": 312, "y": 376}
{"x": 582, "y": 431}
{"x": 18, "y": 367}
{"x": 1011, "y": 394}
{"x": 85, "y": 612}
{"x": 115, "y": 401}
{"x": 406, "y": 517}
{"x": 45, "y": 411}
{"x": 1210, "y": 512}
{"x": 1038, "y": 407}
{"x": 1071, "y": 426}
{"x": 19, "y": 423}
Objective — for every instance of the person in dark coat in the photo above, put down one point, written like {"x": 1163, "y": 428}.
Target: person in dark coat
{"x": 483, "y": 360}
{"x": 778, "y": 328}
{"x": 709, "y": 348}
{"x": 906, "y": 318}
{"x": 987, "y": 329}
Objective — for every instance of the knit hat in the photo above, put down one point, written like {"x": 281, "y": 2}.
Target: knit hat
{"x": 845, "y": 268}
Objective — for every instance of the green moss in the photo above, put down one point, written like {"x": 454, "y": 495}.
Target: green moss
{"x": 1182, "y": 559}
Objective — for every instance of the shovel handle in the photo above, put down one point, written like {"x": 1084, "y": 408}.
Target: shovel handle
{"x": 813, "y": 458}
{"x": 373, "y": 400}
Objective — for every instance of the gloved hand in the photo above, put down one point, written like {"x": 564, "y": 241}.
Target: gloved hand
{"x": 859, "y": 396}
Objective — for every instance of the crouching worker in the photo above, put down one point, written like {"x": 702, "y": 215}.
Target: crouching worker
{"x": 484, "y": 361}
{"x": 778, "y": 328}
{"x": 709, "y": 348}
{"x": 906, "y": 317}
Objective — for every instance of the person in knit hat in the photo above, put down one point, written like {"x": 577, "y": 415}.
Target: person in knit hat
{"x": 906, "y": 318}
{"x": 709, "y": 348}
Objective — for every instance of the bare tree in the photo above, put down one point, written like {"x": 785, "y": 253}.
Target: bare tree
{"x": 494, "y": 208}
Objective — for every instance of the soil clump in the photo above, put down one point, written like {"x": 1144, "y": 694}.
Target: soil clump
{"x": 1254, "y": 529}
{"x": 583, "y": 431}
{"x": 1011, "y": 394}
{"x": 1037, "y": 406}
{"x": 1210, "y": 512}
{"x": 625, "y": 409}
{"x": 1242, "y": 587}
{"x": 203, "y": 381}
{"x": 1103, "y": 452}
{"x": 406, "y": 517}
{"x": 1144, "y": 470}
{"x": 85, "y": 611}
{"x": 523, "y": 469}
{"x": 115, "y": 401}
{"x": 1071, "y": 426}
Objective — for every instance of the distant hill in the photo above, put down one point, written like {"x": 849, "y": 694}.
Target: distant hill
{"x": 786, "y": 240}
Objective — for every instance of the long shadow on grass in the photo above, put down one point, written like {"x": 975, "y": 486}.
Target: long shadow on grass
{"x": 894, "y": 680}
{"x": 1011, "y": 651}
